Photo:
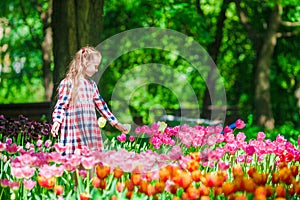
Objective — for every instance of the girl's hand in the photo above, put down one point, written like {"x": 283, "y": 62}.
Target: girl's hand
{"x": 55, "y": 128}
{"x": 124, "y": 128}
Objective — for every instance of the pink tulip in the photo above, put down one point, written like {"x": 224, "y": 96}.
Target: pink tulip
{"x": 4, "y": 183}
{"x": 122, "y": 137}
{"x": 82, "y": 173}
{"x": 223, "y": 166}
{"x": 29, "y": 184}
{"x": 14, "y": 185}
{"x": 39, "y": 143}
{"x": 250, "y": 150}
{"x": 131, "y": 138}
{"x": 8, "y": 141}
{"x": 48, "y": 143}
{"x": 2, "y": 146}
{"x": 240, "y": 124}
{"x": 88, "y": 162}
{"x": 59, "y": 147}
{"x": 261, "y": 136}
{"x": 11, "y": 149}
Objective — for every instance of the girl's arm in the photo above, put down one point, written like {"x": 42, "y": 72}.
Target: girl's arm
{"x": 102, "y": 107}
{"x": 105, "y": 112}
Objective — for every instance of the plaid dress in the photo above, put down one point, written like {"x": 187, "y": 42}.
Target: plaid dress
{"x": 79, "y": 126}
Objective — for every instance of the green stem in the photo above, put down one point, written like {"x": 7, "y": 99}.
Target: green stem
{"x": 1, "y": 193}
{"x": 88, "y": 181}
{"x": 25, "y": 193}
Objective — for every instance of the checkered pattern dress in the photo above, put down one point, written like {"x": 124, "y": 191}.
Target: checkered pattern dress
{"x": 79, "y": 126}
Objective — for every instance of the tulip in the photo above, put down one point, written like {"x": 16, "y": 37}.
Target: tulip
{"x": 164, "y": 174}
{"x": 85, "y": 196}
{"x": 192, "y": 165}
{"x": 29, "y": 184}
{"x": 58, "y": 189}
{"x": 192, "y": 192}
{"x": 196, "y": 175}
{"x": 129, "y": 185}
{"x": 160, "y": 186}
{"x": 118, "y": 172}
{"x": 136, "y": 178}
{"x": 228, "y": 188}
{"x": 120, "y": 186}
{"x": 240, "y": 124}
{"x": 102, "y": 171}
{"x": 113, "y": 197}
{"x": 102, "y": 184}
{"x": 96, "y": 182}
{"x": 280, "y": 191}
{"x": 204, "y": 190}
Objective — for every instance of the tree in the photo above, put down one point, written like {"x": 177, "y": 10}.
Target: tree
{"x": 263, "y": 28}
{"x": 28, "y": 44}
{"x": 213, "y": 49}
{"x": 75, "y": 24}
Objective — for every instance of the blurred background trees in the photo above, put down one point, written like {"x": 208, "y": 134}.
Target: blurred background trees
{"x": 255, "y": 45}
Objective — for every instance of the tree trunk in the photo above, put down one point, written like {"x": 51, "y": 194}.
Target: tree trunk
{"x": 263, "y": 105}
{"x": 213, "y": 50}
{"x": 75, "y": 24}
{"x": 47, "y": 52}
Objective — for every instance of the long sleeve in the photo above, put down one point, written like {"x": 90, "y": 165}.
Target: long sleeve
{"x": 62, "y": 101}
{"x": 102, "y": 106}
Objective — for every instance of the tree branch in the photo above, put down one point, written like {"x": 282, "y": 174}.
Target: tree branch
{"x": 244, "y": 19}
{"x": 199, "y": 10}
{"x": 290, "y": 24}
{"x": 288, "y": 34}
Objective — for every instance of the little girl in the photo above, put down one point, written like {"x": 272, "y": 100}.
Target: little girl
{"x": 78, "y": 97}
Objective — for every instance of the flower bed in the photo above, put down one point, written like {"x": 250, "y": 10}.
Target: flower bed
{"x": 154, "y": 162}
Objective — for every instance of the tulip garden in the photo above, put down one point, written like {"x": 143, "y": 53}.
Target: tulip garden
{"x": 150, "y": 162}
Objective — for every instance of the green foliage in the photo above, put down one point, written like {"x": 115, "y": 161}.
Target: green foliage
{"x": 21, "y": 35}
{"x": 20, "y": 58}
{"x": 288, "y": 130}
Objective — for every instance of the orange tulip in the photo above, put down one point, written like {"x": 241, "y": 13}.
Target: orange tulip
{"x": 160, "y": 186}
{"x": 204, "y": 190}
{"x": 129, "y": 185}
{"x": 294, "y": 170}
{"x": 114, "y": 197}
{"x": 228, "y": 188}
{"x": 102, "y": 184}
{"x": 46, "y": 182}
{"x": 164, "y": 174}
{"x": 196, "y": 156}
{"x": 58, "y": 189}
{"x": 192, "y": 165}
{"x": 102, "y": 171}
{"x": 260, "y": 178}
{"x": 248, "y": 185}
{"x": 150, "y": 190}
{"x": 120, "y": 186}
{"x": 280, "y": 191}
{"x": 129, "y": 194}
{"x": 85, "y": 196}
{"x": 260, "y": 190}
{"x": 251, "y": 171}
{"x": 192, "y": 192}
{"x": 196, "y": 175}
{"x": 136, "y": 178}
{"x": 237, "y": 170}
{"x": 118, "y": 172}
{"x": 96, "y": 182}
